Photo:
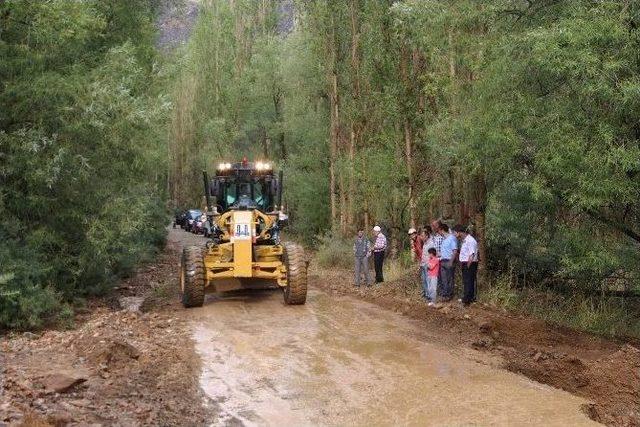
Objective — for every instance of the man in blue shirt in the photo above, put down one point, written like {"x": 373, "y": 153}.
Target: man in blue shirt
{"x": 448, "y": 254}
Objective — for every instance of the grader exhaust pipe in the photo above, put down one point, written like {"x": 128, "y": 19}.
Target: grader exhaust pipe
{"x": 207, "y": 192}
{"x": 279, "y": 196}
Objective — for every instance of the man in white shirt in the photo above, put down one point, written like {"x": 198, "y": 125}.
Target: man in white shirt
{"x": 469, "y": 262}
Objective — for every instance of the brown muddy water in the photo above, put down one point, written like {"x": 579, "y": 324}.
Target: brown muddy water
{"x": 347, "y": 362}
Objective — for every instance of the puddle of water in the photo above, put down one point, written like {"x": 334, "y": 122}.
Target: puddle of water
{"x": 346, "y": 362}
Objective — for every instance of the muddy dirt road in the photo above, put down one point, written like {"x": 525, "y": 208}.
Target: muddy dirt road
{"x": 247, "y": 359}
{"x": 350, "y": 363}
{"x": 340, "y": 361}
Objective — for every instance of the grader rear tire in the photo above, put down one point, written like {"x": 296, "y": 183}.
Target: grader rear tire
{"x": 295, "y": 293}
{"x": 192, "y": 277}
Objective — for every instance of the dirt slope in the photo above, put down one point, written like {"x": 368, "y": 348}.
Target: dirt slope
{"x": 119, "y": 367}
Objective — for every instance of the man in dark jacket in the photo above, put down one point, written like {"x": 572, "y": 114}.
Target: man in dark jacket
{"x": 362, "y": 251}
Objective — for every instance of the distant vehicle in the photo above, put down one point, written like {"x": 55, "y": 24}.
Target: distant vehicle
{"x": 179, "y": 218}
{"x": 201, "y": 226}
{"x": 191, "y": 216}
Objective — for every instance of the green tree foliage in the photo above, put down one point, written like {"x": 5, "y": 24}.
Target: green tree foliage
{"x": 81, "y": 151}
{"x": 560, "y": 139}
{"x": 227, "y": 99}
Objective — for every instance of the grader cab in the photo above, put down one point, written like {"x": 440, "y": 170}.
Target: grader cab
{"x": 244, "y": 207}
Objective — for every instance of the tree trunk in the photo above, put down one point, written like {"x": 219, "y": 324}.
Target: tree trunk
{"x": 332, "y": 80}
{"x": 216, "y": 58}
{"x": 352, "y": 180}
{"x": 408, "y": 151}
{"x": 449, "y": 191}
{"x": 333, "y": 149}
{"x": 408, "y": 134}
{"x": 480, "y": 194}
{"x": 343, "y": 206}
{"x": 354, "y": 131}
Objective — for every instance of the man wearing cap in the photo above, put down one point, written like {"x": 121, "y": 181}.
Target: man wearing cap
{"x": 379, "y": 247}
{"x": 417, "y": 242}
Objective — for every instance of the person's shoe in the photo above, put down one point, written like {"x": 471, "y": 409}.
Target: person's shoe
{"x": 459, "y": 299}
{"x": 431, "y": 304}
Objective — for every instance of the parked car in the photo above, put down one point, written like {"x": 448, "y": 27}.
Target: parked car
{"x": 202, "y": 226}
{"x": 180, "y": 217}
{"x": 192, "y": 215}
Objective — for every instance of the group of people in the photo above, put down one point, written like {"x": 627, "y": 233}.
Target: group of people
{"x": 437, "y": 249}
{"x": 362, "y": 249}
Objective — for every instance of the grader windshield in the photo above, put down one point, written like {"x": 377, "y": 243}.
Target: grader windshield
{"x": 253, "y": 194}
{"x": 244, "y": 186}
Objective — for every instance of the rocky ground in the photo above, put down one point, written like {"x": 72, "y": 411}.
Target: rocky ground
{"x": 130, "y": 361}
{"x": 606, "y": 372}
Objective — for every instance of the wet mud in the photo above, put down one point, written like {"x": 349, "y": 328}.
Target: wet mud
{"x": 341, "y": 361}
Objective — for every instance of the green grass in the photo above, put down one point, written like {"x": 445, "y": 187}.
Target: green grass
{"x": 607, "y": 316}
{"x": 334, "y": 252}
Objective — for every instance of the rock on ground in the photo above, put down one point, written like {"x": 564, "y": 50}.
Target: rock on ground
{"x": 61, "y": 382}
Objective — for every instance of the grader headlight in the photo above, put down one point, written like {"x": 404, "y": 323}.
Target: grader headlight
{"x": 261, "y": 167}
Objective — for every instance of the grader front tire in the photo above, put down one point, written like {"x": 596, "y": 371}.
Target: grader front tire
{"x": 295, "y": 293}
{"x": 192, "y": 277}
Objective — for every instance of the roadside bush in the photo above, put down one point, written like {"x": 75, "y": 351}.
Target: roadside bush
{"x": 26, "y": 306}
{"x": 501, "y": 292}
{"x": 334, "y": 252}
{"x": 608, "y": 316}
{"x": 612, "y": 317}
{"x": 401, "y": 267}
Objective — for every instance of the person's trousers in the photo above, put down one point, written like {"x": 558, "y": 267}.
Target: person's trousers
{"x": 378, "y": 260}
{"x": 362, "y": 267}
{"x": 432, "y": 288}
{"x": 469, "y": 278}
{"x": 423, "y": 280}
{"x": 447, "y": 275}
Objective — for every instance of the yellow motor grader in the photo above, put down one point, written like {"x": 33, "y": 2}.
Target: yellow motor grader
{"x": 244, "y": 208}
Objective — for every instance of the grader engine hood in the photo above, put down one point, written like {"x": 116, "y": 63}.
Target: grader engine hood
{"x": 241, "y": 235}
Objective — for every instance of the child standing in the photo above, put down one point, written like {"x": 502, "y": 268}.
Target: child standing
{"x": 433, "y": 271}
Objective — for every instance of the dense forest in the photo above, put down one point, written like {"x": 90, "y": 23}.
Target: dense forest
{"x": 517, "y": 118}
{"x": 82, "y": 152}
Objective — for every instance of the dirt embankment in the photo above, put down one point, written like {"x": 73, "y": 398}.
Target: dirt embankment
{"x": 604, "y": 371}
{"x": 121, "y": 366}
